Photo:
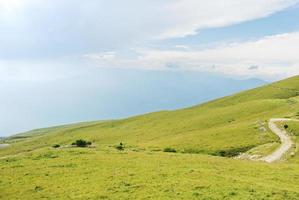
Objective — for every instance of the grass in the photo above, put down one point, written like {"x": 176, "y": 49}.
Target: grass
{"x": 102, "y": 174}
{"x": 293, "y": 129}
{"x": 264, "y": 150}
{"x": 167, "y": 155}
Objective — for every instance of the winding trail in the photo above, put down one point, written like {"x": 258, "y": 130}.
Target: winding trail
{"x": 286, "y": 141}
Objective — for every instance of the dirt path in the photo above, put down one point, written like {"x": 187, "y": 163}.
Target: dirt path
{"x": 286, "y": 141}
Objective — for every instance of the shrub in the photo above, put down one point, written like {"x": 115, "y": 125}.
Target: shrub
{"x": 232, "y": 152}
{"x": 120, "y": 147}
{"x": 81, "y": 143}
{"x": 232, "y": 193}
{"x": 56, "y": 146}
{"x": 286, "y": 126}
{"x": 231, "y": 120}
{"x": 38, "y": 188}
{"x": 169, "y": 149}
{"x": 223, "y": 153}
{"x": 193, "y": 151}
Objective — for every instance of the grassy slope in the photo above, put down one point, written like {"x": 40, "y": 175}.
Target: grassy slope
{"x": 230, "y": 123}
{"x": 294, "y": 132}
{"x": 101, "y": 174}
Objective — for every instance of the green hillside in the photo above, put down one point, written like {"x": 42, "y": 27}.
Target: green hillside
{"x": 201, "y": 136}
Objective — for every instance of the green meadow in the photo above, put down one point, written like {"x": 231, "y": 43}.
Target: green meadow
{"x": 182, "y": 154}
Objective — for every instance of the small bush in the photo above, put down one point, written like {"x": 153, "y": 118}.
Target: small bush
{"x": 286, "y": 126}
{"x": 169, "y": 149}
{"x": 38, "y": 188}
{"x": 224, "y": 153}
{"x": 232, "y": 193}
{"x": 56, "y": 146}
{"x": 81, "y": 143}
{"x": 120, "y": 147}
{"x": 232, "y": 152}
{"x": 193, "y": 151}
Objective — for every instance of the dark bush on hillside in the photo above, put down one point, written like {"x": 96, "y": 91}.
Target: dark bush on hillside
{"x": 193, "y": 151}
{"x": 56, "y": 146}
{"x": 232, "y": 152}
{"x": 169, "y": 149}
{"x": 224, "y": 153}
{"x": 231, "y": 120}
{"x": 81, "y": 143}
{"x": 120, "y": 147}
{"x": 38, "y": 188}
{"x": 286, "y": 126}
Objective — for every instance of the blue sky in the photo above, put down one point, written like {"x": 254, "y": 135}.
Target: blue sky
{"x": 280, "y": 22}
{"x": 79, "y": 56}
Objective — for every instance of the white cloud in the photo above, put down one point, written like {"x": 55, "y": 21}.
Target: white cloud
{"x": 106, "y": 56}
{"x": 276, "y": 57}
{"x": 33, "y": 28}
{"x": 51, "y": 29}
{"x": 182, "y": 47}
{"x": 10, "y": 4}
{"x": 192, "y": 15}
{"x": 8, "y": 8}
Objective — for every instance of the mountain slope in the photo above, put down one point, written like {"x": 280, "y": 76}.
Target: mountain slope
{"x": 32, "y": 169}
{"x": 234, "y": 122}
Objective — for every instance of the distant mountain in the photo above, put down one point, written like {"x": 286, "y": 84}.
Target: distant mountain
{"x": 107, "y": 94}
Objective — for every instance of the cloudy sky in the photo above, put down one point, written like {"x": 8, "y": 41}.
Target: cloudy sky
{"x": 70, "y": 46}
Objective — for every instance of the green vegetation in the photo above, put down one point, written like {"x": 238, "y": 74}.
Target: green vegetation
{"x": 286, "y": 126}
{"x": 202, "y": 136}
{"x": 80, "y": 173}
{"x": 264, "y": 149}
{"x": 293, "y": 129}
{"x": 120, "y": 146}
{"x": 56, "y": 146}
{"x": 81, "y": 143}
{"x": 169, "y": 149}
{"x": 232, "y": 152}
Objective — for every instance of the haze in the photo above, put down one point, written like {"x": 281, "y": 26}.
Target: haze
{"x": 64, "y": 61}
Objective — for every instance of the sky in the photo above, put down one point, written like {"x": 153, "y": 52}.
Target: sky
{"x": 64, "y": 61}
